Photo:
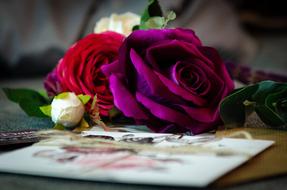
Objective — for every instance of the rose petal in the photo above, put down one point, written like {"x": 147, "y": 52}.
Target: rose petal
{"x": 186, "y": 35}
{"x": 209, "y": 84}
{"x": 220, "y": 68}
{"x": 199, "y": 127}
{"x": 154, "y": 86}
{"x": 52, "y": 84}
{"x": 66, "y": 79}
{"x": 163, "y": 112}
{"x": 112, "y": 68}
{"x": 185, "y": 72}
{"x": 146, "y": 73}
{"x": 124, "y": 100}
{"x": 174, "y": 88}
{"x": 205, "y": 115}
{"x": 141, "y": 39}
{"x": 166, "y": 53}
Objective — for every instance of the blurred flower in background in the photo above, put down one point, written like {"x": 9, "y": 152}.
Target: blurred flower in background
{"x": 121, "y": 23}
{"x": 35, "y": 34}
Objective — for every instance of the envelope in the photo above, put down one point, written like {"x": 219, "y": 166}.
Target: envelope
{"x": 271, "y": 162}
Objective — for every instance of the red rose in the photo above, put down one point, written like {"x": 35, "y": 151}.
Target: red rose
{"x": 79, "y": 70}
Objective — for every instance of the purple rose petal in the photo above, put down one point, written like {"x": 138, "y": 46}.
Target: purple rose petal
{"x": 155, "y": 86}
{"x": 174, "y": 88}
{"x": 205, "y": 115}
{"x": 163, "y": 112}
{"x": 52, "y": 84}
{"x": 167, "y": 80}
{"x": 124, "y": 100}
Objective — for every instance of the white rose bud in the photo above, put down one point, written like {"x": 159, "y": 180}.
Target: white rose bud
{"x": 122, "y": 23}
{"x": 68, "y": 110}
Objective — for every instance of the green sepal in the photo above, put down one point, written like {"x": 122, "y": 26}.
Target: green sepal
{"x": 82, "y": 126}
{"x": 84, "y": 98}
{"x": 46, "y": 110}
{"x": 59, "y": 126}
{"x": 62, "y": 95}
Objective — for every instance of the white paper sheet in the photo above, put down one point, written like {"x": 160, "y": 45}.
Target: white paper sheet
{"x": 66, "y": 160}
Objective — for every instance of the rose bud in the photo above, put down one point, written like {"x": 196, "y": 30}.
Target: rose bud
{"x": 67, "y": 110}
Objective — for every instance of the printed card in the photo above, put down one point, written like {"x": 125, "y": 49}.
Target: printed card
{"x": 137, "y": 158}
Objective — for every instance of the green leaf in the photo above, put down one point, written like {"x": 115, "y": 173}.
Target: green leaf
{"x": 46, "y": 110}
{"x": 44, "y": 93}
{"x": 281, "y": 108}
{"x": 136, "y": 27}
{"x": 232, "y": 108}
{"x": 268, "y": 116}
{"x": 264, "y": 89}
{"x": 264, "y": 105}
{"x": 84, "y": 98}
{"x": 276, "y": 103}
{"x": 28, "y": 100}
{"x": 152, "y": 17}
{"x": 31, "y": 108}
{"x": 152, "y": 10}
{"x": 268, "y": 99}
{"x": 16, "y": 95}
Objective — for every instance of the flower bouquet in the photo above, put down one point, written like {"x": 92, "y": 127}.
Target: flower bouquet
{"x": 135, "y": 69}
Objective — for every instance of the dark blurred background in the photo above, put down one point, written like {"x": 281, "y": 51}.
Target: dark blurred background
{"x": 34, "y": 34}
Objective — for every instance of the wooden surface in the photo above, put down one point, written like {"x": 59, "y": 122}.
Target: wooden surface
{"x": 271, "y": 162}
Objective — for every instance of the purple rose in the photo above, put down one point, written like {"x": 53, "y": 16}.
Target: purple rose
{"x": 167, "y": 80}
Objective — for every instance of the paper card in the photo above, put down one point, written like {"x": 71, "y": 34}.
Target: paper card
{"x": 138, "y": 158}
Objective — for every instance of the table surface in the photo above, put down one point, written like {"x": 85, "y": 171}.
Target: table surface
{"x": 13, "y": 119}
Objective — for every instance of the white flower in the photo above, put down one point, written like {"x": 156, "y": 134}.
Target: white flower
{"x": 67, "y": 110}
{"x": 122, "y": 23}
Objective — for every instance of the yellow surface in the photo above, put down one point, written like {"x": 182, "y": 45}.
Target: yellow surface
{"x": 271, "y": 162}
